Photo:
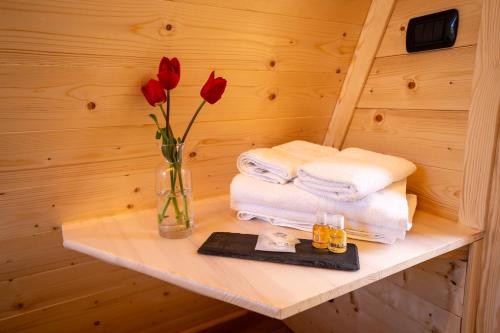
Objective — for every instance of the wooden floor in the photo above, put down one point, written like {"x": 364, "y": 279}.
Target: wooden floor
{"x": 250, "y": 323}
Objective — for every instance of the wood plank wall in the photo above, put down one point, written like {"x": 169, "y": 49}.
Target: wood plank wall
{"x": 403, "y": 302}
{"x": 415, "y": 106}
{"x": 75, "y": 140}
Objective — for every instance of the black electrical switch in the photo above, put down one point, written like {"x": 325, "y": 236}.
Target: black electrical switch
{"x": 432, "y": 31}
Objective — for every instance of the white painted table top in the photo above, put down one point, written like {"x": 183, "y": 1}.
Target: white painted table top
{"x": 275, "y": 290}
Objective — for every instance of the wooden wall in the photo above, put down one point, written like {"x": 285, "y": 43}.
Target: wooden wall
{"x": 426, "y": 298}
{"x": 415, "y": 106}
{"x": 75, "y": 140}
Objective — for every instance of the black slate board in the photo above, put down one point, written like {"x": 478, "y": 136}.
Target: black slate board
{"x": 234, "y": 245}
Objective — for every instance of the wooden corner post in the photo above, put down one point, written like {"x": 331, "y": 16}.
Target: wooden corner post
{"x": 369, "y": 41}
{"x": 480, "y": 200}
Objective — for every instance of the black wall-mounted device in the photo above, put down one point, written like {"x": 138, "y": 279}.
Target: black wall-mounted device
{"x": 432, "y": 31}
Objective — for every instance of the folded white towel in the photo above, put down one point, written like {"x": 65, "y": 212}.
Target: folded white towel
{"x": 387, "y": 208}
{"x": 305, "y": 221}
{"x": 279, "y": 164}
{"x": 384, "y": 238}
{"x": 352, "y": 174}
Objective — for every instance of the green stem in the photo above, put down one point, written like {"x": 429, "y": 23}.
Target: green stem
{"x": 171, "y": 197}
{"x": 172, "y": 193}
{"x": 153, "y": 116}
{"x": 162, "y": 111}
{"x": 166, "y": 115}
{"x": 192, "y": 120}
{"x": 163, "y": 211}
{"x": 184, "y": 199}
{"x": 178, "y": 212}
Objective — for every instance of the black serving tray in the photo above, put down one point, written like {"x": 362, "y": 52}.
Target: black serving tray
{"x": 235, "y": 245}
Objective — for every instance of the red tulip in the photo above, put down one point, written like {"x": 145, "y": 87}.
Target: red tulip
{"x": 213, "y": 89}
{"x": 154, "y": 93}
{"x": 169, "y": 73}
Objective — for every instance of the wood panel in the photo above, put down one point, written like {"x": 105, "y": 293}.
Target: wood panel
{"x": 416, "y": 106}
{"x": 38, "y": 291}
{"x": 200, "y": 157}
{"x": 59, "y": 96}
{"x": 124, "y": 174}
{"x": 428, "y": 137}
{"x": 446, "y": 274}
{"x": 123, "y": 184}
{"x": 439, "y": 80}
{"x": 250, "y": 323}
{"x": 427, "y": 317}
{"x": 438, "y": 190}
{"x": 49, "y": 206}
{"x": 424, "y": 298}
{"x": 55, "y": 148}
{"x": 54, "y": 175}
{"x": 368, "y": 43}
{"x": 402, "y": 302}
{"x": 382, "y": 307}
{"x": 136, "y": 34}
{"x": 137, "y": 304}
{"x": 433, "y": 139}
{"x": 213, "y": 323}
{"x": 394, "y": 41}
{"x": 61, "y": 158}
{"x": 21, "y": 256}
{"x": 96, "y": 197}
{"x": 353, "y": 11}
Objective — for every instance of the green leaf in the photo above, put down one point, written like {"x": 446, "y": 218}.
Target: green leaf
{"x": 153, "y": 116}
{"x": 158, "y": 135}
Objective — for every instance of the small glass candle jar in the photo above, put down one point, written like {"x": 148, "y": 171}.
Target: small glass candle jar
{"x": 337, "y": 240}
{"x": 321, "y": 231}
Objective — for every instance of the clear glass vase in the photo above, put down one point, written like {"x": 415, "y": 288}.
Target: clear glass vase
{"x": 174, "y": 193}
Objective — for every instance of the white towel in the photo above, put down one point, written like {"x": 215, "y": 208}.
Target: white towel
{"x": 279, "y": 164}
{"x": 305, "y": 221}
{"x": 387, "y": 208}
{"x": 352, "y": 174}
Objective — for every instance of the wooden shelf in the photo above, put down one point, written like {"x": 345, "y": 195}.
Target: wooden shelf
{"x": 275, "y": 290}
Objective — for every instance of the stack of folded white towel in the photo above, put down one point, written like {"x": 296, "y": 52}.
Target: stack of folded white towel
{"x": 286, "y": 185}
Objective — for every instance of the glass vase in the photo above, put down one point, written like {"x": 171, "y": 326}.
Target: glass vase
{"x": 174, "y": 194}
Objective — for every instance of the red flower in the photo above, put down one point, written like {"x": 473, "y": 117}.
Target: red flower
{"x": 213, "y": 89}
{"x": 169, "y": 73}
{"x": 154, "y": 93}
